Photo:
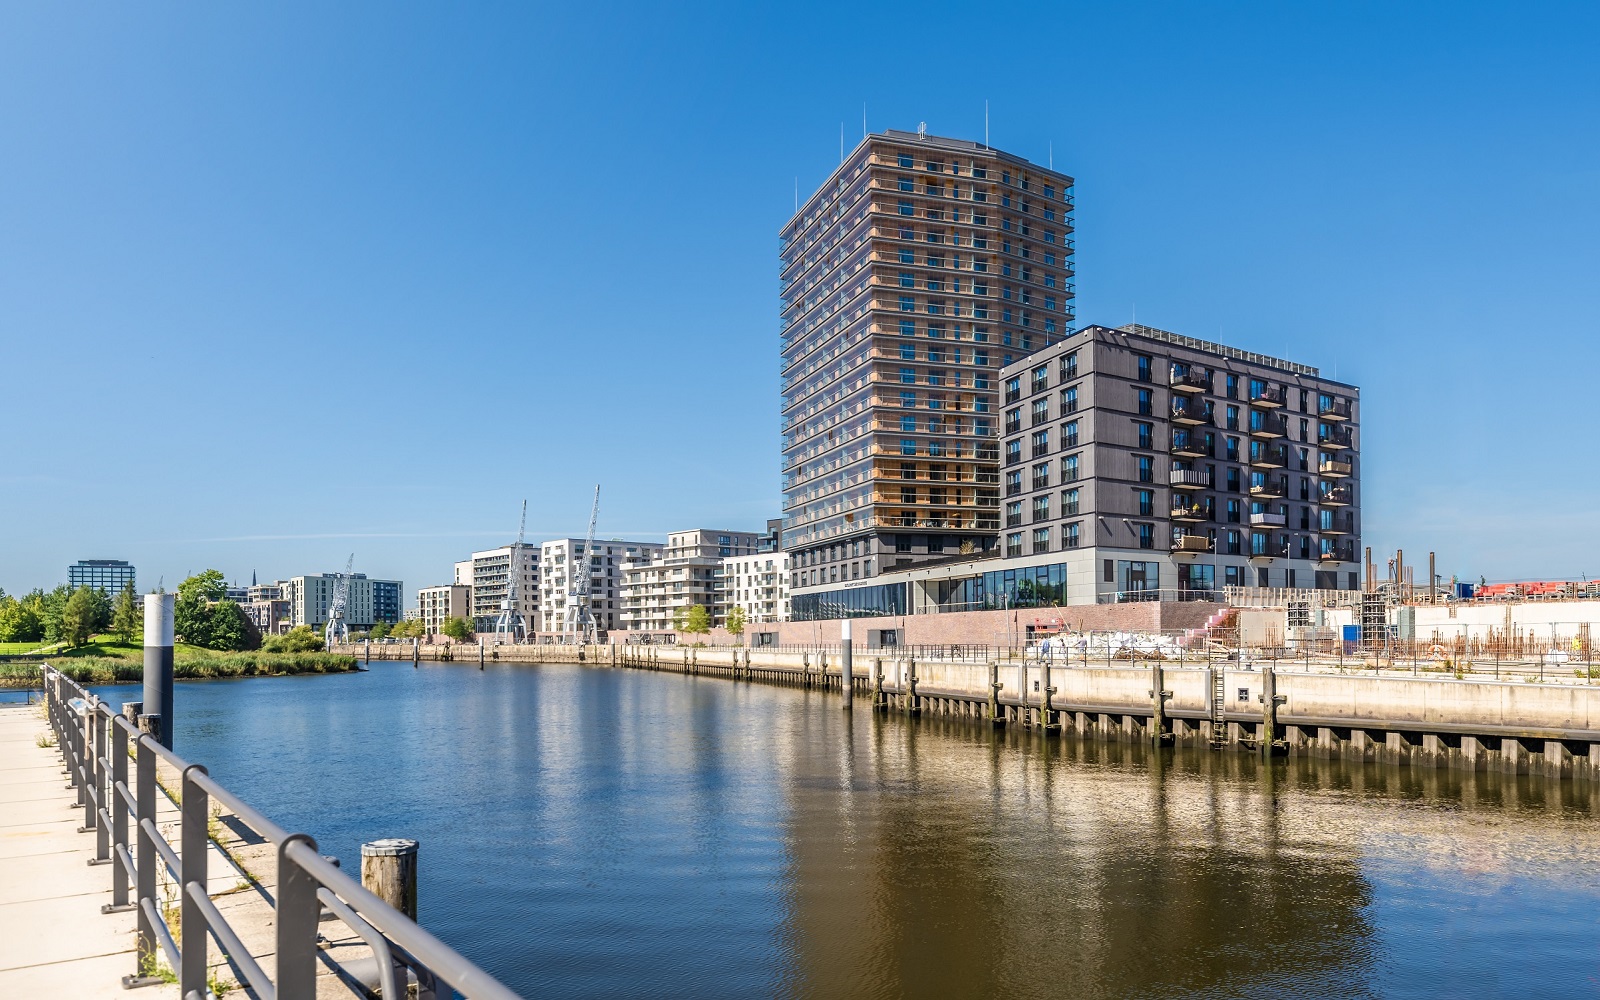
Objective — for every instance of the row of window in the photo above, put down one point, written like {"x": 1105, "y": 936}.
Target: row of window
{"x": 981, "y": 172}
{"x": 938, "y": 237}
{"x": 1233, "y": 542}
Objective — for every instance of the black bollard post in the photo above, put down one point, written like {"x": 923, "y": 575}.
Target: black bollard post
{"x": 847, "y": 670}
{"x": 158, "y": 638}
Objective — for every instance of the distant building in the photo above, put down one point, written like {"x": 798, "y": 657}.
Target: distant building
{"x": 110, "y": 575}
{"x": 688, "y": 572}
{"x": 609, "y": 561}
{"x": 772, "y": 541}
{"x": 264, "y": 592}
{"x": 367, "y": 602}
{"x": 759, "y": 584}
{"x": 490, "y": 577}
{"x": 435, "y": 604}
{"x": 270, "y": 617}
{"x": 236, "y": 593}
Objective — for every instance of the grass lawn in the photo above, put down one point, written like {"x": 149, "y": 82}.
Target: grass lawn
{"x": 19, "y": 648}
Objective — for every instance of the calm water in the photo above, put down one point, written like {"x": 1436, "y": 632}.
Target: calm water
{"x": 599, "y": 833}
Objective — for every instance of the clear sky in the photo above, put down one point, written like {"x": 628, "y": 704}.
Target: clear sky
{"x": 282, "y": 282}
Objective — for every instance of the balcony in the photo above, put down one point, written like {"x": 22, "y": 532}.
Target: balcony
{"x": 1191, "y": 512}
{"x": 1189, "y": 445}
{"x": 1337, "y": 496}
{"x": 1268, "y": 425}
{"x": 1269, "y": 458}
{"x": 1269, "y": 489}
{"x": 1190, "y": 378}
{"x": 1339, "y": 439}
{"x": 1262, "y": 547}
{"x": 1334, "y": 409}
{"x": 1334, "y": 555}
{"x": 1267, "y": 519}
{"x": 1332, "y": 468}
{"x": 1333, "y": 527}
{"x": 1189, "y": 477}
{"x": 1268, "y": 396}
{"x": 1190, "y": 412}
{"x": 1191, "y": 543}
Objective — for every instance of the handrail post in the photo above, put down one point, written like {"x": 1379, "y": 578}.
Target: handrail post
{"x": 86, "y": 765}
{"x": 298, "y": 913}
{"x": 119, "y": 816}
{"x": 102, "y": 741}
{"x": 145, "y": 863}
{"x": 192, "y": 949}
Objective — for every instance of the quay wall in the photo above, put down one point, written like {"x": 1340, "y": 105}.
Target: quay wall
{"x": 1436, "y": 721}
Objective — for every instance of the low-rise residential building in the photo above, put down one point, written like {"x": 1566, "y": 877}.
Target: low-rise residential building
{"x": 759, "y": 584}
{"x": 609, "y": 561}
{"x": 109, "y": 575}
{"x": 449, "y": 600}
{"x": 270, "y": 617}
{"x": 490, "y": 579}
{"x": 689, "y": 571}
{"x": 264, "y": 592}
{"x": 367, "y": 601}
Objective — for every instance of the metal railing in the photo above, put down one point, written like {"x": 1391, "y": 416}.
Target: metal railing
{"x": 95, "y": 744}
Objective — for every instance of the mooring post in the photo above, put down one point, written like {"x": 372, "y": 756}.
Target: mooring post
{"x": 480, "y": 652}
{"x": 1046, "y": 708}
{"x": 416, "y": 651}
{"x": 994, "y": 694}
{"x": 1269, "y": 711}
{"x": 158, "y": 609}
{"x": 1158, "y": 704}
{"x": 847, "y": 669}
{"x": 912, "y": 706}
{"x": 389, "y": 871}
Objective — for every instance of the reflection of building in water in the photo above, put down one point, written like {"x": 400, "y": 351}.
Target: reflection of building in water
{"x": 982, "y": 869}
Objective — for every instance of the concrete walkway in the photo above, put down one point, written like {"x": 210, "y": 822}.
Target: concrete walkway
{"x": 55, "y": 942}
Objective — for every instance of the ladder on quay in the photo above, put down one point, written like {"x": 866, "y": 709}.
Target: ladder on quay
{"x": 1219, "y": 702}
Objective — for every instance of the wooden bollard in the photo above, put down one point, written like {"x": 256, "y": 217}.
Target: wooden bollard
{"x": 389, "y": 871}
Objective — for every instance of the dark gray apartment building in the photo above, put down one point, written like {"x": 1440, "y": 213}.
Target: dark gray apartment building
{"x": 916, "y": 272}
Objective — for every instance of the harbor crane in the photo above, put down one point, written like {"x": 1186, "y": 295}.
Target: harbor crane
{"x": 338, "y": 630}
{"x": 580, "y": 617}
{"x": 510, "y": 627}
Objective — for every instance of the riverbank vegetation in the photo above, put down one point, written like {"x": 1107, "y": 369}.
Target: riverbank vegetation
{"x": 107, "y": 659}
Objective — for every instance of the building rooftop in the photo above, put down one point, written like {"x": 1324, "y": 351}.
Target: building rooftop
{"x": 1165, "y": 336}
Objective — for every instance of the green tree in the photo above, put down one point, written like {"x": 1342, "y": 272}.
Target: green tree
{"x": 680, "y": 618}
{"x": 698, "y": 620}
{"x": 77, "y": 618}
{"x": 103, "y": 610}
{"x": 380, "y": 630}
{"x": 49, "y": 607}
{"x": 207, "y": 586}
{"x": 456, "y": 629}
{"x": 300, "y": 639}
{"x": 128, "y": 617}
{"x": 19, "y": 621}
{"x": 736, "y": 620}
{"x": 229, "y": 628}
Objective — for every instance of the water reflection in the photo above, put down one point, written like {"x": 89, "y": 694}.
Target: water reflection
{"x": 591, "y": 832}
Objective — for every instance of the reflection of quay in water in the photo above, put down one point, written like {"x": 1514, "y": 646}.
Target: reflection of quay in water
{"x": 961, "y": 865}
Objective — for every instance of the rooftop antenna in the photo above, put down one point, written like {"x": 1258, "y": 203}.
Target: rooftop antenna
{"x": 863, "y": 119}
{"x": 922, "y": 130}
{"x": 1052, "y": 157}
{"x": 986, "y": 122}
{"x": 841, "y": 142}
{"x": 797, "y": 192}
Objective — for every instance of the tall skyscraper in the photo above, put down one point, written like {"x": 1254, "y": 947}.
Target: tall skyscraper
{"x": 920, "y": 268}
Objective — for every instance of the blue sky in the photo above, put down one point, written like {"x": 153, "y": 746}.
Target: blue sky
{"x": 282, "y": 283}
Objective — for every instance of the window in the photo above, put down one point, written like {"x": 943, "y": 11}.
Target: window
{"x": 1233, "y": 543}
{"x": 908, "y": 399}
{"x": 1147, "y": 536}
{"x": 1232, "y": 391}
{"x": 908, "y": 328}
{"x": 1014, "y": 544}
{"x": 1013, "y": 420}
{"x": 908, "y": 376}
{"x": 1147, "y": 469}
{"x": 905, "y": 208}
{"x": 908, "y": 425}
{"x": 1232, "y": 453}
{"x": 907, "y": 184}
{"x": 1041, "y": 475}
{"x": 1013, "y": 451}
{"x": 1041, "y": 443}
{"x": 1013, "y": 483}
{"x": 1070, "y": 540}
{"x": 908, "y": 352}
{"x": 1233, "y": 480}
{"x": 1145, "y": 408}
{"x": 1147, "y": 502}
{"x": 908, "y": 470}
{"x": 908, "y": 446}
{"x": 1069, "y": 502}
{"x": 1040, "y": 378}
{"x": 1144, "y": 367}
{"x": 1146, "y": 434}
{"x": 908, "y": 494}
{"x": 908, "y": 304}
{"x": 905, "y": 161}
{"x": 1013, "y": 388}
{"x": 1069, "y": 434}
{"x": 1069, "y": 469}
{"x": 1041, "y": 508}
{"x": 1233, "y": 418}
{"x": 908, "y": 280}
{"x": 1041, "y": 411}
{"x": 1041, "y": 539}
{"x": 1014, "y": 514}
{"x": 1069, "y": 400}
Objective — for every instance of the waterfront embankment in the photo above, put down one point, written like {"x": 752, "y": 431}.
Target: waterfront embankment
{"x": 24, "y": 673}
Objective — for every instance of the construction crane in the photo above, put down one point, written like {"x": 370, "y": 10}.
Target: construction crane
{"x": 338, "y": 630}
{"x": 510, "y": 626}
{"x": 580, "y": 619}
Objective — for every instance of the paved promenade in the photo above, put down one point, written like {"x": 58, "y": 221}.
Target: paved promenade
{"x": 54, "y": 941}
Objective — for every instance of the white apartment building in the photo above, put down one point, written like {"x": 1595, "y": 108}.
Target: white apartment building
{"x": 490, "y": 576}
{"x": 435, "y": 604}
{"x": 688, "y": 572}
{"x": 759, "y": 584}
{"x": 367, "y": 601}
{"x": 608, "y": 562}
